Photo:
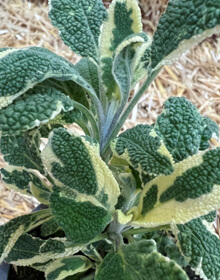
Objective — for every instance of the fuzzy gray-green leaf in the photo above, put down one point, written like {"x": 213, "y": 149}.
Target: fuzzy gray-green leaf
{"x": 37, "y": 106}
{"x": 183, "y": 129}
{"x": 12, "y": 230}
{"x": 79, "y": 23}
{"x": 22, "y": 69}
{"x": 23, "y": 150}
{"x": 144, "y": 150}
{"x": 184, "y": 23}
{"x": 201, "y": 246}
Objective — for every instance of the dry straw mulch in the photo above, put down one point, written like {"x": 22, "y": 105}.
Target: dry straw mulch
{"x": 195, "y": 75}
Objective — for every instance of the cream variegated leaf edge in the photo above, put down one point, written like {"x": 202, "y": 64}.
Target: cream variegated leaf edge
{"x": 34, "y": 187}
{"x": 181, "y": 210}
{"x": 64, "y": 267}
{"x": 202, "y": 257}
{"x": 12, "y": 230}
{"x": 130, "y": 142}
{"x": 180, "y": 28}
{"x": 185, "y": 45}
{"x": 107, "y": 35}
{"x": 102, "y": 172}
{"x": 57, "y": 68}
{"x": 111, "y": 37}
{"x": 50, "y": 249}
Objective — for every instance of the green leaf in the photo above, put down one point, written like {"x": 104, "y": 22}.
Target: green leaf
{"x": 26, "y": 251}
{"x": 124, "y": 19}
{"x": 183, "y": 129}
{"x": 62, "y": 268}
{"x": 190, "y": 191}
{"x": 201, "y": 246}
{"x": 55, "y": 248}
{"x": 88, "y": 190}
{"x": 166, "y": 245}
{"x": 22, "y": 180}
{"x": 144, "y": 150}
{"x": 38, "y": 106}
{"x": 75, "y": 162}
{"x": 140, "y": 261}
{"x": 11, "y": 231}
{"x": 89, "y": 71}
{"x": 184, "y": 24}
{"x": 49, "y": 228}
{"x": 79, "y": 23}
{"x": 82, "y": 217}
{"x": 22, "y": 69}
{"x": 210, "y": 130}
{"x": 23, "y": 150}
{"x": 123, "y": 22}
{"x": 29, "y": 250}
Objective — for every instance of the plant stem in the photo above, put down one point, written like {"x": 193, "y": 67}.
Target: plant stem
{"x": 144, "y": 230}
{"x": 134, "y": 101}
{"x": 90, "y": 117}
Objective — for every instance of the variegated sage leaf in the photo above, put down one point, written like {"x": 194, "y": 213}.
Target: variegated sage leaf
{"x": 184, "y": 24}
{"x": 123, "y": 22}
{"x": 182, "y": 128}
{"x": 75, "y": 162}
{"x": 22, "y": 69}
{"x": 89, "y": 71}
{"x": 36, "y": 107}
{"x": 139, "y": 260}
{"x": 190, "y": 191}
{"x": 87, "y": 192}
{"x": 23, "y": 150}
{"x": 26, "y": 251}
{"x": 68, "y": 266}
{"x": 201, "y": 246}
{"x": 49, "y": 228}
{"x": 12, "y": 230}
{"x": 23, "y": 180}
{"x": 79, "y": 24}
{"x": 144, "y": 150}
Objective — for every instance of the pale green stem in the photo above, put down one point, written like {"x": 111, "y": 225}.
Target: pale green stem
{"x": 144, "y": 230}
{"x": 90, "y": 117}
{"x": 113, "y": 133}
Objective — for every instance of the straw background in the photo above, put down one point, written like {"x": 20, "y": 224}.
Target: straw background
{"x": 196, "y": 75}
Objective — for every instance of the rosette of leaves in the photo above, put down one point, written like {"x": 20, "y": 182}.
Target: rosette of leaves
{"x": 103, "y": 193}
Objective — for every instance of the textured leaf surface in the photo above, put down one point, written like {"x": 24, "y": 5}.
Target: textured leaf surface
{"x": 89, "y": 71}
{"x": 55, "y": 248}
{"x": 144, "y": 150}
{"x": 49, "y": 228}
{"x": 79, "y": 23}
{"x": 123, "y": 21}
{"x": 74, "y": 162}
{"x": 26, "y": 251}
{"x": 183, "y": 129}
{"x": 29, "y": 250}
{"x": 37, "y": 107}
{"x": 82, "y": 206}
{"x": 22, "y": 180}
{"x": 62, "y": 268}
{"x": 22, "y": 150}
{"x": 11, "y": 231}
{"x": 190, "y": 191}
{"x": 166, "y": 245}
{"x": 139, "y": 261}
{"x": 81, "y": 216}
{"x": 201, "y": 246}
{"x": 184, "y": 23}
{"x": 21, "y": 69}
